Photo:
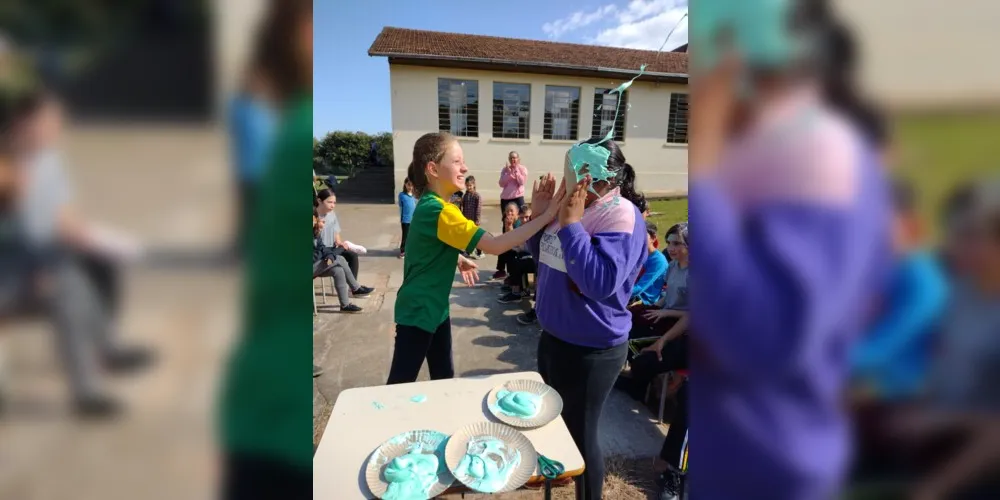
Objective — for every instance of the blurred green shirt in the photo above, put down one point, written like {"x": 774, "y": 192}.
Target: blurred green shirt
{"x": 266, "y": 407}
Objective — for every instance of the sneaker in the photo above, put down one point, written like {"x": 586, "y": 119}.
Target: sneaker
{"x": 509, "y": 298}
{"x": 499, "y": 275}
{"x": 97, "y": 406}
{"x": 528, "y": 318}
{"x": 350, "y": 308}
{"x": 363, "y": 291}
{"x": 670, "y": 486}
{"x": 317, "y": 371}
{"x": 505, "y": 289}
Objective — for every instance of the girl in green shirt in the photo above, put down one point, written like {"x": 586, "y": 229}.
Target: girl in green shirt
{"x": 438, "y": 234}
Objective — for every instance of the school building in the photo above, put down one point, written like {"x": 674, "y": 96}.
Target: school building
{"x": 537, "y": 98}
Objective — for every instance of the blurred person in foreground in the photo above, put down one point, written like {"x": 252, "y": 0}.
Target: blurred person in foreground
{"x": 49, "y": 253}
{"x": 793, "y": 214}
{"x": 251, "y": 131}
{"x": 266, "y": 405}
{"x": 891, "y": 361}
{"x": 952, "y": 438}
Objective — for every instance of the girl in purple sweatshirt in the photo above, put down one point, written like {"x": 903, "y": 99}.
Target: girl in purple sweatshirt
{"x": 588, "y": 261}
{"x": 792, "y": 214}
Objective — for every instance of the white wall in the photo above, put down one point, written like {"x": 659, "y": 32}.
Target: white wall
{"x": 661, "y": 168}
{"x": 926, "y": 52}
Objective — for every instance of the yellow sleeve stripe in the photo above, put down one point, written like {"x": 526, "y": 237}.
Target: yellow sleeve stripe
{"x": 456, "y": 231}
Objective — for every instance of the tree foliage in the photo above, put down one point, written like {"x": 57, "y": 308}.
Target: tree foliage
{"x": 347, "y": 153}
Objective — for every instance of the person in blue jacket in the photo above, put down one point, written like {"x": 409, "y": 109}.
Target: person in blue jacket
{"x": 649, "y": 286}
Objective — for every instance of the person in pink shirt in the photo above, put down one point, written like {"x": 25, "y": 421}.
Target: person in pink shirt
{"x": 512, "y": 179}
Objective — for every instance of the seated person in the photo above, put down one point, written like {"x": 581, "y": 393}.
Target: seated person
{"x": 654, "y": 273}
{"x": 667, "y": 320}
{"x": 326, "y": 201}
{"x": 326, "y": 263}
{"x": 511, "y": 220}
{"x": 519, "y": 265}
{"x": 952, "y": 437}
{"x": 891, "y": 360}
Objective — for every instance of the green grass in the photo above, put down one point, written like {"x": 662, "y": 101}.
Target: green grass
{"x": 936, "y": 153}
{"x": 666, "y": 213}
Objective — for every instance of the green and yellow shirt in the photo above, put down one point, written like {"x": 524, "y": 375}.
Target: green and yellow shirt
{"x": 437, "y": 234}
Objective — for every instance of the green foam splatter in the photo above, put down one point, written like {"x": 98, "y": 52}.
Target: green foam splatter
{"x": 593, "y": 157}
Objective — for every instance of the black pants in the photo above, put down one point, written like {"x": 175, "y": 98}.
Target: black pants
{"x": 254, "y": 478}
{"x": 351, "y": 258}
{"x": 583, "y": 376}
{"x": 646, "y": 366}
{"x": 405, "y": 226}
{"x": 413, "y": 345}
{"x": 104, "y": 274}
{"x": 521, "y": 265}
{"x": 519, "y": 201}
{"x": 677, "y": 434}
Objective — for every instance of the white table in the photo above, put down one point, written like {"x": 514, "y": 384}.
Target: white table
{"x": 357, "y": 426}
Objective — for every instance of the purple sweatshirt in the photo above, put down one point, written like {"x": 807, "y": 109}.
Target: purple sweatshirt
{"x": 791, "y": 239}
{"x": 586, "y": 272}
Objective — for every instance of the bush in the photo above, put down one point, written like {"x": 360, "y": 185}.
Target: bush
{"x": 347, "y": 153}
{"x": 383, "y": 148}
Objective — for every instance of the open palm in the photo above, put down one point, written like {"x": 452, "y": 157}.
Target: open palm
{"x": 542, "y": 192}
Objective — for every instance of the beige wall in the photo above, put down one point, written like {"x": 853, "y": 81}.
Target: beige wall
{"x": 661, "y": 168}
{"x": 235, "y": 25}
{"x": 921, "y": 53}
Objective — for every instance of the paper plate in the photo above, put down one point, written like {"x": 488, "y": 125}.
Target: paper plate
{"x": 428, "y": 442}
{"x": 513, "y": 441}
{"x": 552, "y": 403}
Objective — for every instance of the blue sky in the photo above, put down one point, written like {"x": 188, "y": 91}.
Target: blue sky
{"x": 351, "y": 90}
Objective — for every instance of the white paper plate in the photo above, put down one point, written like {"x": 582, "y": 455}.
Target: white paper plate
{"x": 428, "y": 441}
{"x": 514, "y": 441}
{"x": 552, "y": 403}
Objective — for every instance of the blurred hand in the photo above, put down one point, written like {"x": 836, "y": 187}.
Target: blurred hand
{"x": 713, "y": 97}
{"x": 656, "y": 348}
{"x": 654, "y": 315}
{"x": 574, "y": 204}
{"x": 541, "y": 193}
{"x": 469, "y": 270}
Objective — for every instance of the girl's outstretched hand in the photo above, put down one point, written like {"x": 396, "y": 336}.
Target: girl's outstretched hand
{"x": 572, "y": 207}
{"x": 556, "y": 201}
{"x": 469, "y": 270}
{"x": 542, "y": 192}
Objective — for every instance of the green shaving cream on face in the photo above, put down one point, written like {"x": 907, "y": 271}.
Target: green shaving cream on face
{"x": 518, "y": 403}
{"x": 487, "y": 464}
{"x": 592, "y": 159}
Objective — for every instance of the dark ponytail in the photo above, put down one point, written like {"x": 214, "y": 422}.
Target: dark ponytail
{"x": 625, "y": 180}
{"x": 836, "y": 62}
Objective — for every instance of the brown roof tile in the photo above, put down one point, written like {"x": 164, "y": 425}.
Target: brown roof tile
{"x": 401, "y": 42}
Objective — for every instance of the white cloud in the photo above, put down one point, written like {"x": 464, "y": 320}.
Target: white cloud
{"x": 576, "y": 20}
{"x": 642, "y": 24}
{"x": 645, "y": 25}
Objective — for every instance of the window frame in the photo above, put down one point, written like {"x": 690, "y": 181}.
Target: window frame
{"x": 597, "y": 119}
{"x": 498, "y": 121}
{"x": 470, "y": 111}
{"x": 673, "y": 110}
{"x": 548, "y": 129}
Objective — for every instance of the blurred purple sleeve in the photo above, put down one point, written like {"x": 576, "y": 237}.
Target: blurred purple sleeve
{"x": 772, "y": 283}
